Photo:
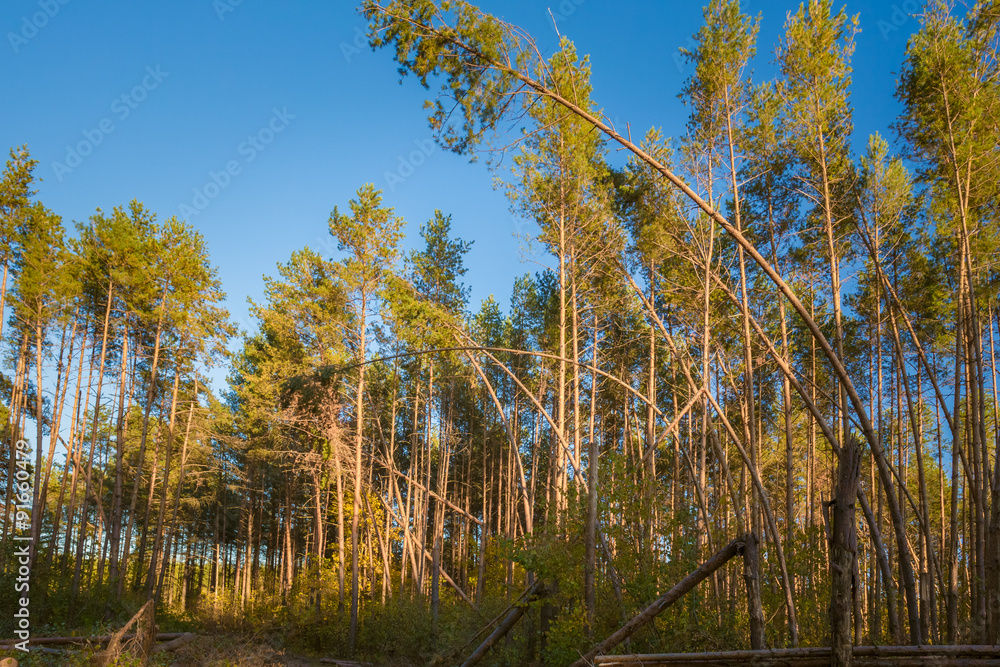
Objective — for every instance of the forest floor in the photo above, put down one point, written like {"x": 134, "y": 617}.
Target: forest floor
{"x": 205, "y": 651}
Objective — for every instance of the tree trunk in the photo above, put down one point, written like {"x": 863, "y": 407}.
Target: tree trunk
{"x": 116, "y": 503}
{"x": 152, "y": 590}
{"x": 141, "y": 455}
{"x": 172, "y": 528}
{"x": 751, "y": 577}
{"x": 843, "y": 551}
{"x": 93, "y": 443}
{"x": 593, "y": 458}
{"x": 358, "y": 441}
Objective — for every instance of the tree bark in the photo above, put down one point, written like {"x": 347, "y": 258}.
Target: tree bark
{"x": 843, "y": 551}
{"x": 751, "y": 577}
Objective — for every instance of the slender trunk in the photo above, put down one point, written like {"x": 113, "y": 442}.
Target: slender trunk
{"x": 993, "y": 545}
{"x": 70, "y": 445}
{"x": 340, "y": 531}
{"x": 559, "y": 471}
{"x": 147, "y": 515}
{"x": 706, "y": 371}
{"x": 13, "y": 421}
{"x": 180, "y": 480}
{"x": 37, "y": 508}
{"x": 288, "y": 553}
{"x": 358, "y": 441}
{"x": 152, "y": 590}
{"x": 116, "y": 504}
{"x": 62, "y": 384}
{"x": 93, "y": 443}
{"x": 78, "y": 449}
{"x": 748, "y": 388}
{"x": 956, "y": 454}
{"x": 483, "y": 529}
{"x": 141, "y": 455}
{"x": 593, "y": 457}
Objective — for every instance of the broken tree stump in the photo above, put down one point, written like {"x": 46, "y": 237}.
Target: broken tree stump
{"x": 139, "y": 646}
{"x": 751, "y": 568}
{"x": 843, "y": 545}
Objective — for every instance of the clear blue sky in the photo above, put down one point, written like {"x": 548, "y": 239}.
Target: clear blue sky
{"x": 166, "y": 94}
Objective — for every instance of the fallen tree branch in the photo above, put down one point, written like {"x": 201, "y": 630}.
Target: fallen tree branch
{"x": 536, "y": 591}
{"x": 664, "y": 601}
{"x": 175, "y": 644}
{"x": 101, "y": 639}
{"x": 954, "y": 656}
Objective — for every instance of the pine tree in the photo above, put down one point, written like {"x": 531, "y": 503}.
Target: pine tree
{"x": 15, "y": 194}
{"x": 369, "y": 237}
{"x": 948, "y": 86}
{"x": 39, "y": 294}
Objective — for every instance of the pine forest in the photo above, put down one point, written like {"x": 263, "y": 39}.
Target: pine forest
{"x": 740, "y": 331}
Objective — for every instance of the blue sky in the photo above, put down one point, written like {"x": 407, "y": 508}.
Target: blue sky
{"x": 252, "y": 120}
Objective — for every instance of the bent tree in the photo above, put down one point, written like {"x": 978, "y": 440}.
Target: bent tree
{"x": 485, "y": 64}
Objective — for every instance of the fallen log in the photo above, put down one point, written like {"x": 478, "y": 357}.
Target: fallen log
{"x": 448, "y": 658}
{"x": 102, "y": 639}
{"x": 906, "y": 661}
{"x": 686, "y": 584}
{"x": 39, "y": 649}
{"x": 536, "y": 591}
{"x": 174, "y": 640}
{"x": 864, "y": 656}
{"x": 175, "y": 644}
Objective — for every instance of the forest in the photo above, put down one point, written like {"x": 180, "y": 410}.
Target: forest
{"x": 717, "y": 317}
